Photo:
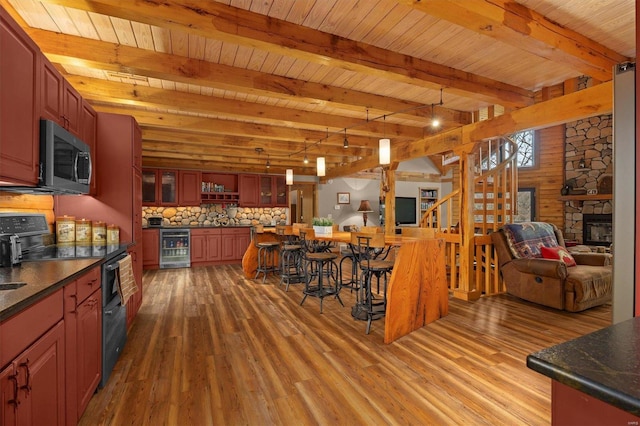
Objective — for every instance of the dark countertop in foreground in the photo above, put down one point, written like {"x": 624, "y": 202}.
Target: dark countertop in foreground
{"x": 44, "y": 277}
{"x": 604, "y": 364}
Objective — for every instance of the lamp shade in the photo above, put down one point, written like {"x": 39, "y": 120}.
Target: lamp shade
{"x": 365, "y": 206}
{"x": 289, "y": 176}
{"x": 385, "y": 151}
{"x": 320, "y": 166}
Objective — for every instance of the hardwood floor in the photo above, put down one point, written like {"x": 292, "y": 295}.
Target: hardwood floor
{"x": 210, "y": 347}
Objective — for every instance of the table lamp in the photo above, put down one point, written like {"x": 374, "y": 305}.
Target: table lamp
{"x": 365, "y": 208}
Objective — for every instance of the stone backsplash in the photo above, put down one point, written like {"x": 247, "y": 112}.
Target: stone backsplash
{"x": 215, "y": 215}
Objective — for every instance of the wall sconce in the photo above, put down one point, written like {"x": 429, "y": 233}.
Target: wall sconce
{"x": 320, "y": 166}
{"x": 289, "y": 176}
{"x": 582, "y": 164}
{"x": 384, "y": 151}
{"x": 365, "y": 207}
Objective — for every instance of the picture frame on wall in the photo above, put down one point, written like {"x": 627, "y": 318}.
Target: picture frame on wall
{"x": 344, "y": 198}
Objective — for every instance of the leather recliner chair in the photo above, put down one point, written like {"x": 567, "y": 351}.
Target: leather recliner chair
{"x": 551, "y": 282}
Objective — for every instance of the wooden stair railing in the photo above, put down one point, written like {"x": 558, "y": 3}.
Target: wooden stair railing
{"x": 493, "y": 204}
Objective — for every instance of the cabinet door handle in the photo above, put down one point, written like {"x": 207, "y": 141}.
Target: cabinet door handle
{"x": 15, "y": 401}
{"x": 27, "y": 385}
{"x": 75, "y": 303}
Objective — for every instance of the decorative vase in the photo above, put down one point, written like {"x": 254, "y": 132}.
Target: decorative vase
{"x": 232, "y": 212}
{"x": 323, "y": 231}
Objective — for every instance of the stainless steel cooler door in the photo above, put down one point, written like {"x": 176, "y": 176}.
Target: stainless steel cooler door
{"x": 175, "y": 248}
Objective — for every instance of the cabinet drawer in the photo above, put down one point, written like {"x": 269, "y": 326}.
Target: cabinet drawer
{"x": 88, "y": 283}
{"x": 236, "y": 231}
{"x": 209, "y": 231}
{"x": 24, "y": 328}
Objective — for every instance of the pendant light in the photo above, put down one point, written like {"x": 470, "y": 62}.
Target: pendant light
{"x": 289, "y": 176}
{"x": 384, "y": 147}
{"x": 345, "y": 143}
{"x": 435, "y": 121}
{"x": 320, "y": 166}
{"x": 306, "y": 159}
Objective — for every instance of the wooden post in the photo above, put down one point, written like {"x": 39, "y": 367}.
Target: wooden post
{"x": 467, "y": 289}
{"x": 390, "y": 199}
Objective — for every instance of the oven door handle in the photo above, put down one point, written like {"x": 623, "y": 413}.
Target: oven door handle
{"x": 114, "y": 264}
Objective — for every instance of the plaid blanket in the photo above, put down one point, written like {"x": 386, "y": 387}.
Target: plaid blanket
{"x": 526, "y": 238}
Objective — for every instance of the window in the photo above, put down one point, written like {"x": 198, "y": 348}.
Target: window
{"x": 526, "y": 154}
{"x": 525, "y": 142}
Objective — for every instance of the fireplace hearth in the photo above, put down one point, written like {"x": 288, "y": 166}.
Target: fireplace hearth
{"x": 597, "y": 229}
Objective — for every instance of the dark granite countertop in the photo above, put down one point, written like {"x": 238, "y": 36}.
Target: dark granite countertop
{"x": 604, "y": 364}
{"x": 43, "y": 277}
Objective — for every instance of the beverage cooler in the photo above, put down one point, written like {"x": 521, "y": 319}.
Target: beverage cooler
{"x": 175, "y": 248}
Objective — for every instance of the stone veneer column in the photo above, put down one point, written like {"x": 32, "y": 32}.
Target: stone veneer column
{"x": 588, "y": 155}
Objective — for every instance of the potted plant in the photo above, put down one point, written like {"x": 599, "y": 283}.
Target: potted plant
{"x": 323, "y": 226}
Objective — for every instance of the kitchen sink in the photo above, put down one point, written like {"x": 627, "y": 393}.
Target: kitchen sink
{"x": 11, "y": 286}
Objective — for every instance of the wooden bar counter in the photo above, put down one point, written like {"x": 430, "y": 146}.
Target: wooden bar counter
{"x": 417, "y": 292}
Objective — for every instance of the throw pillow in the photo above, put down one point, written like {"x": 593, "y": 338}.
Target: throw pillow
{"x": 558, "y": 253}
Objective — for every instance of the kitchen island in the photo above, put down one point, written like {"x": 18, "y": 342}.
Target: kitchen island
{"x": 417, "y": 293}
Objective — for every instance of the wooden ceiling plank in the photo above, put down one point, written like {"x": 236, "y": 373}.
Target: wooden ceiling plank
{"x": 109, "y": 56}
{"x": 528, "y": 30}
{"x": 100, "y": 90}
{"x": 213, "y": 19}
{"x": 596, "y": 100}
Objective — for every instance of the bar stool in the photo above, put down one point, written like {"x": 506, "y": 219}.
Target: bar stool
{"x": 370, "y": 247}
{"x": 319, "y": 264}
{"x": 266, "y": 253}
{"x": 291, "y": 271}
{"x": 350, "y": 254}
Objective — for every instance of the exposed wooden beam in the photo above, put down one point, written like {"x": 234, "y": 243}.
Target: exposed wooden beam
{"x": 99, "y": 90}
{"x": 72, "y": 50}
{"x": 521, "y": 27}
{"x": 150, "y": 135}
{"x": 585, "y": 103}
{"x": 245, "y": 28}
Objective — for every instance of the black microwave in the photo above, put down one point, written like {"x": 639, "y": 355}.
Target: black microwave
{"x": 65, "y": 161}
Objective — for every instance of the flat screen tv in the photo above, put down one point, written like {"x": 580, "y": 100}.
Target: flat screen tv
{"x": 406, "y": 210}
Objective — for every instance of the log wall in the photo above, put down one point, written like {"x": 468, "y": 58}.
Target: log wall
{"x": 11, "y": 203}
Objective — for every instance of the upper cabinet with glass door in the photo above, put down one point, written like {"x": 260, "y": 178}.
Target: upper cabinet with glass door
{"x": 159, "y": 187}
{"x": 273, "y": 191}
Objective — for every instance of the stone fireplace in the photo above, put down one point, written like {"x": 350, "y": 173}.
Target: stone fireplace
{"x": 588, "y": 169}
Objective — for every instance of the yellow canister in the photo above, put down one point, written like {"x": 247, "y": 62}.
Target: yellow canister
{"x": 66, "y": 229}
{"x": 83, "y": 231}
{"x": 113, "y": 234}
{"x": 99, "y": 232}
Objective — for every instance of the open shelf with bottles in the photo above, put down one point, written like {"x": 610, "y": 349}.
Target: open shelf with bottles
{"x": 219, "y": 188}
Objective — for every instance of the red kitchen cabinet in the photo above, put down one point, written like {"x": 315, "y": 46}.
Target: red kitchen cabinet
{"x": 19, "y": 104}
{"x": 160, "y": 187}
{"x": 273, "y": 191}
{"x": 59, "y": 101}
{"x": 234, "y": 243}
{"x": 190, "y": 185}
{"x": 205, "y": 246}
{"x": 32, "y": 386}
{"x": 151, "y": 249}
{"x": 249, "y": 188}
{"x": 83, "y": 342}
